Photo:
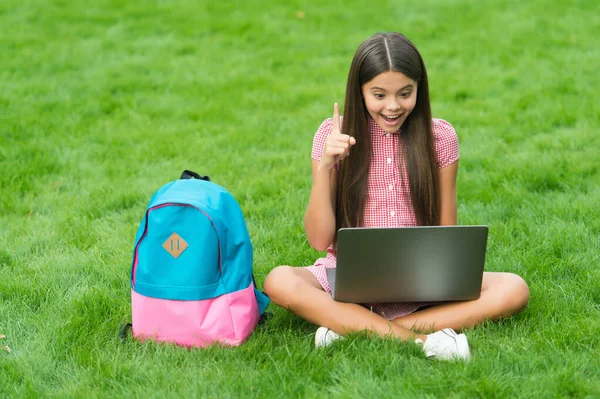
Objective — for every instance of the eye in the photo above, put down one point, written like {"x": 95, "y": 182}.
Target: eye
{"x": 405, "y": 94}
{"x": 379, "y": 96}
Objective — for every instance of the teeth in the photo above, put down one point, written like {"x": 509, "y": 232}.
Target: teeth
{"x": 391, "y": 117}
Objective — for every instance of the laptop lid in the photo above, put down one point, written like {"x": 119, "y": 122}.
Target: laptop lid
{"x": 409, "y": 264}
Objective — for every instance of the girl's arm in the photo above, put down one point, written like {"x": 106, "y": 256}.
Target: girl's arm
{"x": 448, "y": 194}
{"x": 319, "y": 219}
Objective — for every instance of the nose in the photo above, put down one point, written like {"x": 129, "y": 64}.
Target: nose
{"x": 393, "y": 104}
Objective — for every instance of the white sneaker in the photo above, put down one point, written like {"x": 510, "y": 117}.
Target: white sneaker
{"x": 446, "y": 344}
{"x": 324, "y": 337}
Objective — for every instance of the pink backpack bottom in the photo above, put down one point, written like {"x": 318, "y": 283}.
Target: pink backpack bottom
{"x": 228, "y": 319}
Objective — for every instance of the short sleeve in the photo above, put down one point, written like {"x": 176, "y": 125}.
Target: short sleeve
{"x": 445, "y": 142}
{"x": 320, "y": 138}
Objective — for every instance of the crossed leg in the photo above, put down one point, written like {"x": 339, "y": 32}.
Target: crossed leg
{"x": 296, "y": 289}
{"x": 502, "y": 295}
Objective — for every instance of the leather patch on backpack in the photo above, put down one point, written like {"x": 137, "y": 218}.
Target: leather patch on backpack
{"x": 175, "y": 245}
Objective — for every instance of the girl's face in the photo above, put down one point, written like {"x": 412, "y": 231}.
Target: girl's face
{"x": 390, "y": 97}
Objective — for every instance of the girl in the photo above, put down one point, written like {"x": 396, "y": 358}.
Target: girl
{"x": 389, "y": 164}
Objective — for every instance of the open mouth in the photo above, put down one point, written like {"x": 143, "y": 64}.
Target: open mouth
{"x": 390, "y": 118}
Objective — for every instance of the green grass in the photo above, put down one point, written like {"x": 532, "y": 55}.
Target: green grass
{"x": 101, "y": 104}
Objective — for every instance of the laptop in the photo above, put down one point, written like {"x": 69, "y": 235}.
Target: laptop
{"x": 408, "y": 264}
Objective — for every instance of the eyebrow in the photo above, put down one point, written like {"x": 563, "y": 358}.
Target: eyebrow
{"x": 410, "y": 85}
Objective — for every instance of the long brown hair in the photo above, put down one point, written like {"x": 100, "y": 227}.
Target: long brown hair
{"x": 381, "y": 53}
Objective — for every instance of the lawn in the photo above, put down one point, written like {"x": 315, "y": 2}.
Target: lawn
{"x": 101, "y": 104}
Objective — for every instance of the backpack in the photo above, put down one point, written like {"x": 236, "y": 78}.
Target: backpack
{"x": 191, "y": 275}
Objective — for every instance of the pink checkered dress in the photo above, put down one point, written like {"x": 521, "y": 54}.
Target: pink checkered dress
{"x": 388, "y": 203}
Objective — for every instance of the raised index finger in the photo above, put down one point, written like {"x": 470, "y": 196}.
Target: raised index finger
{"x": 336, "y": 118}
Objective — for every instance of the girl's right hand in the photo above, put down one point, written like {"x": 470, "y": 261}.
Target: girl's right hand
{"x": 337, "y": 146}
